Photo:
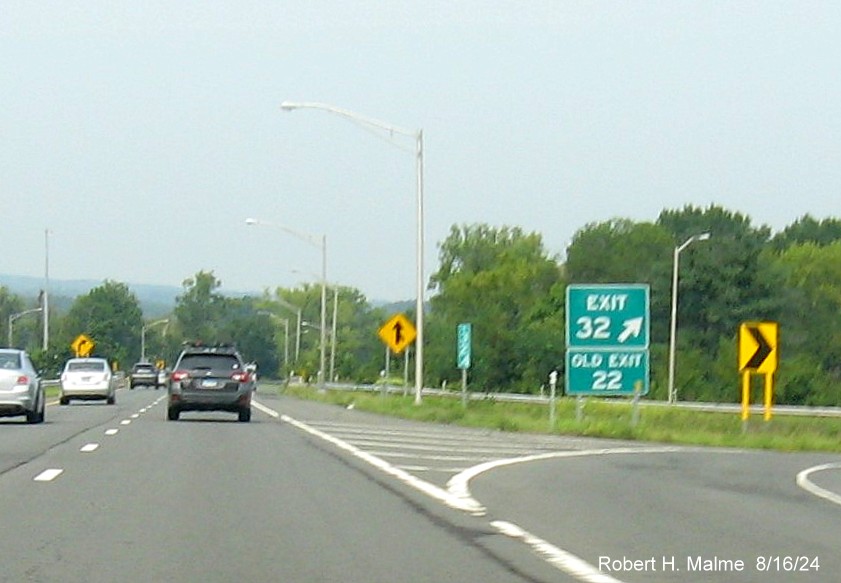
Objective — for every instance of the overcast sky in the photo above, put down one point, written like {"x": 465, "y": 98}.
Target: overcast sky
{"x": 143, "y": 134}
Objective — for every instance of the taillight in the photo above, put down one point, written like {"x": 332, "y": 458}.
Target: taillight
{"x": 240, "y": 377}
{"x": 23, "y": 380}
{"x": 180, "y": 375}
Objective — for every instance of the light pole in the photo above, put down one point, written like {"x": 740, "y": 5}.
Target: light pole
{"x": 673, "y": 327}
{"x": 297, "y": 310}
{"x": 46, "y": 303}
{"x": 143, "y": 336}
{"x": 333, "y": 335}
{"x": 285, "y": 322}
{"x": 418, "y": 137}
{"x": 13, "y": 317}
{"x": 333, "y": 329}
{"x": 321, "y": 243}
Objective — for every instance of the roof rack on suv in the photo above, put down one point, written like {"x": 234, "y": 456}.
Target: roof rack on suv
{"x": 198, "y": 346}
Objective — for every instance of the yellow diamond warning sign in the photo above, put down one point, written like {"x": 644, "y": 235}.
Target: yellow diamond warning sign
{"x": 398, "y": 333}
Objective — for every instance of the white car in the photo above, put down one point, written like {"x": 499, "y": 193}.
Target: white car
{"x": 21, "y": 392}
{"x": 87, "y": 379}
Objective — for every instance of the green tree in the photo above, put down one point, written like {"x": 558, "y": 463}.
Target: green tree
{"x": 358, "y": 352}
{"x": 110, "y": 315}
{"x": 251, "y": 332}
{"x": 807, "y": 229}
{"x": 199, "y": 310}
{"x": 9, "y": 304}
{"x": 621, "y": 251}
{"x": 721, "y": 283}
{"x": 495, "y": 279}
{"x": 810, "y": 276}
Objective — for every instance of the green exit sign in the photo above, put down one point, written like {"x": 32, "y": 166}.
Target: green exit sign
{"x": 606, "y": 373}
{"x": 607, "y": 316}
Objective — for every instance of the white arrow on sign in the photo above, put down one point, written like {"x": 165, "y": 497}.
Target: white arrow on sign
{"x": 632, "y": 327}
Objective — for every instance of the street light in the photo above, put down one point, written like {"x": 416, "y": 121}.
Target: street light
{"x": 673, "y": 328}
{"x": 13, "y": 317}
{"x": 285, "y": 322}
{"x": 297, "y": 310}
{"x": 143, "y": 336}
{"x": 418, "y": 136}
{"x": 333, "y": 332}
{"x": 46, "y": 302}
{"x": 321, "y": 243}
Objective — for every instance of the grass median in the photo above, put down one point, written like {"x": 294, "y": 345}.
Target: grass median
{"x": 655, "y": 423}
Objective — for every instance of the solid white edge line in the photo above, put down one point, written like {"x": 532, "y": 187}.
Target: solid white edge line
{"x": 804, "y": 482}
{"x": 559, "y": 558}
{"x": 48, "y": 475}
{"x": 459, "y": 485}
{"x": 431, "y": 490}
{"x": 264, "y": 409}
{"x": 458, "y": 496}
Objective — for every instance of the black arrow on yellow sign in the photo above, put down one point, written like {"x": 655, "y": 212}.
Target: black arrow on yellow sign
{"x": 398, "y": 333}
{"x": 762, "y": 351}
{"x": 758, "y": 347}
{"x": 398, "y": 336}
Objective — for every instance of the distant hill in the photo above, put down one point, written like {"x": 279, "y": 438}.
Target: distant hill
{"x": 155, "y": 300}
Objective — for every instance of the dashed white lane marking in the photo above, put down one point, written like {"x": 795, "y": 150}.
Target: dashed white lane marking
{"x": 112, "y": 431}
{"x": 135, "y": 416}
{"x": 48, "y": 475}
{"x": 559, "y": 558}
{"x": 125, "y": 422}
{"x": 807, "y": 484}
{"x": 89, "y": 447}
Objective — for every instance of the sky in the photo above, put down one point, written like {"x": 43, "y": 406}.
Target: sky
{"x": 143, "y": 134}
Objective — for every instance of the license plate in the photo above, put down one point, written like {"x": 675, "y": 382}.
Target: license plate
{"x": 210, "y": 384}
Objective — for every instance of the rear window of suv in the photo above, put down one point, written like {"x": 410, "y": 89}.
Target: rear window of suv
{"x": 85, "y": 366}
{"x": 209, "y": 362}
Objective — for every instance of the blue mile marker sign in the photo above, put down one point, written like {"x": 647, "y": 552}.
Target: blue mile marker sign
{"x": 463, "y": 347}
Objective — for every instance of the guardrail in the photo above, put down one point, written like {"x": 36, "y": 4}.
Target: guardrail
{"x": 803, "y": 411}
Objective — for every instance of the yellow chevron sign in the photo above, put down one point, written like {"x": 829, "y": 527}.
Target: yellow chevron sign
{"x": 758, "y": 347}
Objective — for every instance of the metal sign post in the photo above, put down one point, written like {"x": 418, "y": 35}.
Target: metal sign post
{"x": 553, "y": 382}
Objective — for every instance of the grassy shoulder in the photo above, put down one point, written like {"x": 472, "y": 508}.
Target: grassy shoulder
{"x": 611, "y": 420}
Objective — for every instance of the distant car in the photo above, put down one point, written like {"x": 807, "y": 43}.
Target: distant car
{"x": 143, "y": 374}
{"x": 87, "y": 379}
{"x": 210, "y": 378}
{"x": 163, "y": 377}
{"x": 21, "y": 392}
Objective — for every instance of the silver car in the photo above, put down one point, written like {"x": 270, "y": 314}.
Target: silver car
{"x": 87, "y": 378}
{"x": 21, "y": 392}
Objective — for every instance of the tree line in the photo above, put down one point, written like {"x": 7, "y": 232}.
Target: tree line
{"x": 505, "y": 283}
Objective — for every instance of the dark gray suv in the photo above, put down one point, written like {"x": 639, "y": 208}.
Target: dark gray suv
{"x": 210, "y": 378}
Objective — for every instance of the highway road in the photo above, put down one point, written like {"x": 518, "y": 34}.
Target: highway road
{"x": 309, "y": 492}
